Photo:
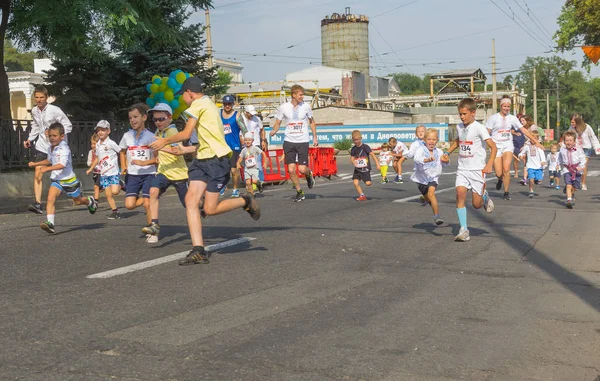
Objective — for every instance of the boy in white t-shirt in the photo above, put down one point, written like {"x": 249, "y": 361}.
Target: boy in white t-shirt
{"x": 385, "y": 158}
{"x": 94, "y": 170}
{"x": 572, "y": 160}
{"x": 553, "y": 166}
{"x": 107, "y": 160}
{"x": 62, "y": 176}
{"x": 536, "y": 161}
{"x": 472, "y": 138}
{"x": 250, "y": 158}
{"x": 398, "y": 151}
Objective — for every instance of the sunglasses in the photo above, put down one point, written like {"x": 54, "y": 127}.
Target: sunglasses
{"x": 160, "y": 119}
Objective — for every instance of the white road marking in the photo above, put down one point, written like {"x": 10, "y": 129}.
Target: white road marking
{"x": 168, "y": 258}
{"x": 593, "y": 173}
{"x": 406, "y": 199}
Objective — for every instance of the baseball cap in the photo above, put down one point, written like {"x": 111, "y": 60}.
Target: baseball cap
{"x": 228, "y": 99}
{"x": 102, "y": 124}
{"x": 249, "y": 135}
{"x": 194, "y": 84}
{"x": 162, "y": 107}
{"x": 250, "y": 109}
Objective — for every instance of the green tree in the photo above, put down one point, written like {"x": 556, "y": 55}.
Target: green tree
{"x": 409, "y": 84}
{"x": 578, "y": 24}
{"x": 508, "y": 82}
{"x": 222, "y": 83}
{"x": 16, "y": 60}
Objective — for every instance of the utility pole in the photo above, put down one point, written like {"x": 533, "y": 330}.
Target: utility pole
{"x": 557, "y": 131}
{"x": 208, "y": 40}
{"x": 548, "y": 111}
{"x": 535, "y": 119}
{"x": 494, "y": 90}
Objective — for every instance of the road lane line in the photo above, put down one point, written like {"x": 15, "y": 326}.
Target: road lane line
{"x": 168, "y": 258}
{"x": 407, "y": 199}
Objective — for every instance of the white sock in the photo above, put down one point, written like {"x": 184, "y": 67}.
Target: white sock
{"x": 51, "y": 218}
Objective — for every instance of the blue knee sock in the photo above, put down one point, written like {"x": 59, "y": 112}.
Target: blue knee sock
{"x": 462, "y": 217}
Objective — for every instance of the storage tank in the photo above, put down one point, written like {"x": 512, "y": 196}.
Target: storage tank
{"x": 345, "y": 42}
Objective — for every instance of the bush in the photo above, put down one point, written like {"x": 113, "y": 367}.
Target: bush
{"x": 343, "y": 145}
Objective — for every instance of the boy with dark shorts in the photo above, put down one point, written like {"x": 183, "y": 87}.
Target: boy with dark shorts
{"x": 572, "y": 160}
{"x": 359, "y": 156}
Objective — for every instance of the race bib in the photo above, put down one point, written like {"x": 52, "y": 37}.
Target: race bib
{"x": 139, "y": 152}
{"x": 295, "y": 127}
{"x": 503, "y": 135}
{"x": 105, "y": 165}
{"x": 361, "y": 162}
{"x": 466, "y": 149}
{"x": 250, "y": 161}
{"x": 227, "y": 129}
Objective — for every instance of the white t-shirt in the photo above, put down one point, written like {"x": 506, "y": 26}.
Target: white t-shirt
{"x": 61, "y": 155}
{"x": 472, "y": 154}
{"x": 535, "y": 156}
{"x": 138, "y": 149}
{"x": 585, "y": 140}
{"x": 107, "y": 153}
{"x": 500, "y": 127}
{"x": 400, "y": 148}
{"x": 251, "y": 157}
{"x": 41, "y": 120}
{"x": 296, "y": 130}
{"x": 254, "y": 125}
{"x": 413, "y": 148}
{"x": 427, "y": 172}
{"x": 575, "y": 158}
{"x": 552, "y": 160}
{"x": 385, "y": 157}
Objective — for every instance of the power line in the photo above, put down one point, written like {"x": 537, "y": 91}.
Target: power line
{"x": 519, "y": 24}
{"x": 391, "y": 10}
{"x": 388, "y": 44}
{"x": 529, "y": 10}
{"x": 544, "y": 33}
{"x": 238, "y": 2}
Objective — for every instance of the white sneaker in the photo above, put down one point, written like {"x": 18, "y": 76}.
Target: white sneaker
{"x": 489, "y": 205}
{"x": 463, "y": 235}
{"x": 583, "y": 187}
{"x": 151, "y": 238}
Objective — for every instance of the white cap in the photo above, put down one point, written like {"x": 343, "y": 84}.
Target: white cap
{"x": 250, "y": 109}
{"x": 162, "y": 107}
{"x": 249, "y": 135}
{"x": 103, "y": 124}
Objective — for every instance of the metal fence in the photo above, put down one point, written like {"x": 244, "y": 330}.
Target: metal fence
{"x": 13, "y": 133}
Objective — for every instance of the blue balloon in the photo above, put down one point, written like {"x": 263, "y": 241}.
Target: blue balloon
{"x": 150, "y": 102}
{"x": 174, "y": 104}
{"x": 173, "y": 74}
{"x": 172, "y": 83}
{"x": 148, "y": 88}
{"x": 187, "y": 75}
{"x": 157, "y": 81}
{"x": 177, "y": 87}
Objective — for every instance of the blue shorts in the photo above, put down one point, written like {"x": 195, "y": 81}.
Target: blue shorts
{"x": 553, "y": 173}
{"x": 535, "y": 174}
{"x": 72, "y": 188}
{"x": 574, "y": 181}
{"x": 136, "y": 183}
{"x": 106, "y": 181}
{"x": 215, "y": 172}
{"x": 588, "y": 152}
{"x": 161, "y": 182}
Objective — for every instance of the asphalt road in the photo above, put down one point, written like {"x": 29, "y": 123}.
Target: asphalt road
{"x": 325, "y": 289}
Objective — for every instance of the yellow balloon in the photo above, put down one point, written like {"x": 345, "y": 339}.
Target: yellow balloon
{"x": 169, "y": 95}
{"x": 154, "y": 88}
{"x": 180, "y": 78}
{"x": 155, "y": 77}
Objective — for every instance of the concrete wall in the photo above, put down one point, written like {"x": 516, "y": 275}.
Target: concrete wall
{"x": 19, "y": 183}
{"x": 354, "y": 116}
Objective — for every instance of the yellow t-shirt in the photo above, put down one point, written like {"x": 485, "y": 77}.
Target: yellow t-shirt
{"x": 173, "y": 167}
{"x": 211, "y": 137}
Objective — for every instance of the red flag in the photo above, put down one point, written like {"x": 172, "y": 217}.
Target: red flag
{"x": 593, "y": 52}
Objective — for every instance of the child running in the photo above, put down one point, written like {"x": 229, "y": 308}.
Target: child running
{"x": 250, "y": 157}
{"x": 107, "y": 160}
{"x": 553, "y": 166}
{"x": 385, "y": 157}
{"x": 535, "y": 164}
{"x": 172, "y": 169}
{"x": 359, "y": 156}
{"x": 94, "y": 170}
{"x": 572, "y": 160}
{"x": 63, "y": 178}
{"x": 428, "y": 168}
{"x": 398, "y": 150}
{"x": 472, "y": 167}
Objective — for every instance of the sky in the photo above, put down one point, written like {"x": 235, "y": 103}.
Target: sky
{"x": 273, "y": 37}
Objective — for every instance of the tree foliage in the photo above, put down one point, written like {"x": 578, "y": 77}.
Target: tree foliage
{"x": 17, "y": 60}
{"x": 578, "y": 24}
{"x": 222, "y": 82}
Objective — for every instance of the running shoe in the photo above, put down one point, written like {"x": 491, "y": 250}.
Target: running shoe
{"x": 522, "y": 182}
{"x": 531, "y": 194}
{"x": 536, "y": 182}
{"x": 506, "y": 196}
{"x": 222, "y": 192}
{"x": 36, "y": 208}
{"x": 115, "y": 215}
{"x": 235, "y": 193}
{"x": 438, "y": 220}
{"x": 93, "y": 206}
{"x": 151, "y": 238}
{"x": 400, "y": 180}
{"x": 299, "y": 196}
{"x": 383, "y": 181}
{"x": 570, "y": 204}
{"x": 557, "y": 187}
{"x": 252, "y": 206}
{"x": 362, "y": 197}
{"x": 488, "y": 204}
{"x": 153, "y": 229}
{"x": 499, "y": 183}
{"x": 195, "y": 257}
{"x": 310, "y": 180}
{"x": 48, "y": 227}
{"x": 260, "y": 187}
{"x": 386, "y": 180}
{"x": 463, "y": 235}
{"x": 583, "y": 187}
{"x": 551, "y": 183}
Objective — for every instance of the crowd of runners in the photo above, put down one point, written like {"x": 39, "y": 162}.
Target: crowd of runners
{"x": 225, "y": 142}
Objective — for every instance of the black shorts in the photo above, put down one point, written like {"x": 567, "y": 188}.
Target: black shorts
{"x": 215, "y": 172}
{"x": 96, "y": 178}
{"x": 40, "y": 156}
{"x": 234, "y": 159}
{"x": 517, "y": 150}
{"x": 135, "y": 184}
{"x": 364, "y": 176}
{"x": 296, "y": 153}
{"x": 161, "y": 182}
{"x": 424, "y": 188}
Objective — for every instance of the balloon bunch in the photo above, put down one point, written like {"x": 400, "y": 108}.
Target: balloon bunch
{"x": 163, "y": 90}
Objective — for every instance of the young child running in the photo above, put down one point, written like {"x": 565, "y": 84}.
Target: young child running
{"x": 472, "y": 167}
{"x": 535, "y": 164}
{"x": 572, "y": 160}
{"x": 385, "y": 158}
{"x": 553, "y": 166}
{"x": 250, "y": 157}
{"x": 137, "y": 160}
{"x": 398, "y": 150}
{"x": 428, "y": 168}
{"x": 172, "y": 169}
{"x": 63, "y": 178}
{"x": 94, "y": 170}
{"x": 210, "y": 171}
{"x": 107, "y": 160}
{"x": 359, "y": 156}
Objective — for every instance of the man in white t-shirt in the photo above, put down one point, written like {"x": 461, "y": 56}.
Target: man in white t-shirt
{"x": 472, "y": 138}
{"x": 500, "y": 126}
{"x": 255, "y": 125}
{"x": 299, "y": 117}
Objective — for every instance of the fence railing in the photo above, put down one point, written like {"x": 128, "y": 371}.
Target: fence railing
{"x": 13, "y": 133}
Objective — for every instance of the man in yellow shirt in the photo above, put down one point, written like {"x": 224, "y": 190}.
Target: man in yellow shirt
{"x": 210, "y": 170}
